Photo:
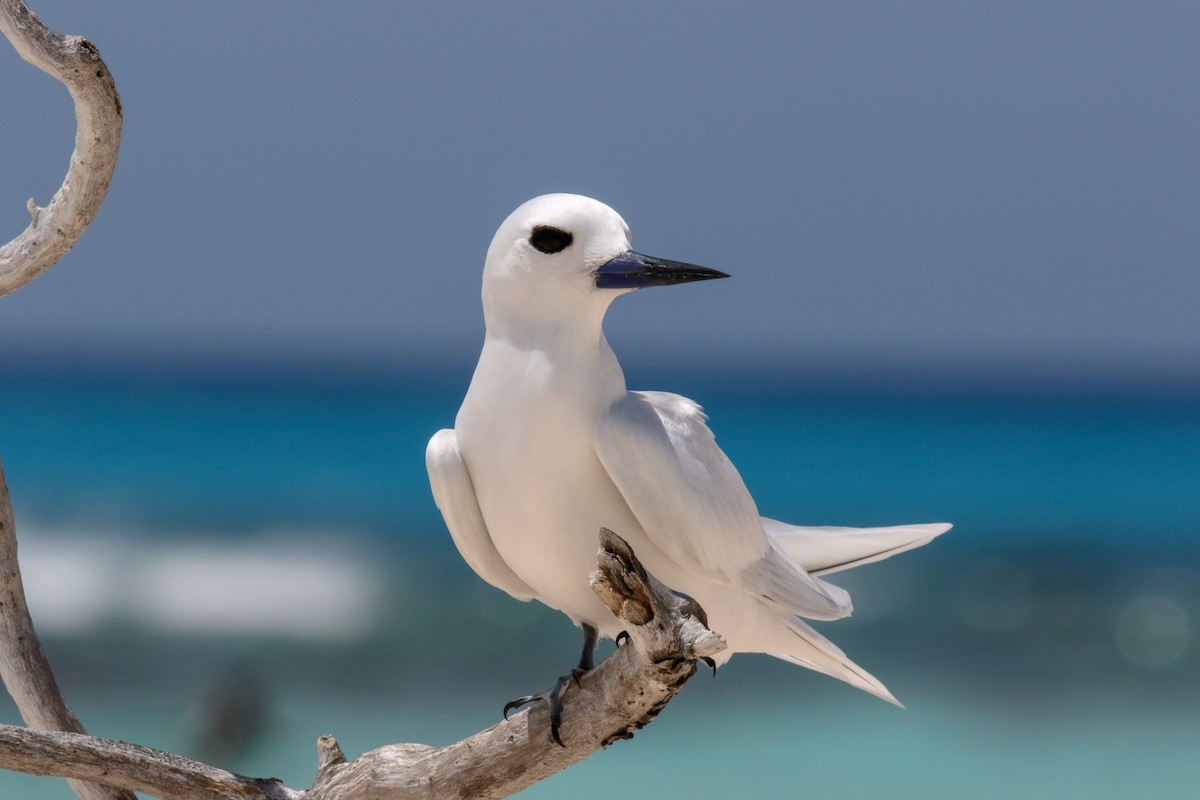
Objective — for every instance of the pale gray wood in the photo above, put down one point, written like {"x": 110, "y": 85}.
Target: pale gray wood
{"x": 23, "y": 667}
{"x": 667, "y": 634}
{"x": 75, "y": 62}
{"x": 132, "y": 766}
{"x": 52, "y": 232}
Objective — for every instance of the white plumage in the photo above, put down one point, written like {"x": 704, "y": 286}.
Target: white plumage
{"x": 549, "y": 446}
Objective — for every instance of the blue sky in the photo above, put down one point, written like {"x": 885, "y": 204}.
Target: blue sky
{"x": 925, "y": 185}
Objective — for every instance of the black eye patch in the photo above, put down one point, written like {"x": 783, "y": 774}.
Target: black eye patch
{"x": 550, "y": 240}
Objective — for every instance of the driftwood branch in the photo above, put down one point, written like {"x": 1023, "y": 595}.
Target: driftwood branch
{"x": 76, "y": 63}
{"x": 128, "y": 765}
{"x": 23, "y": 666}
{"x": 52, "y": 231}
{"x": 666, "y": 636}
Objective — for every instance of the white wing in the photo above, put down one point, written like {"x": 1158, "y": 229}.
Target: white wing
{"x": 824, "y": 550}
{"x": 454, "y": 494}
{"x": 693, "y": 505}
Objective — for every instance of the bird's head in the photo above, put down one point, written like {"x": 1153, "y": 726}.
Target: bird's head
{"x": 564, "y": 257}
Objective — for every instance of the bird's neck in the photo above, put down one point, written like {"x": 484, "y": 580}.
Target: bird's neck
{"x": 566, "y": 328}
{"x": 564, "y": 363}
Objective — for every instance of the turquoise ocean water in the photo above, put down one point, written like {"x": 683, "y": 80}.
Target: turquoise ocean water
{"x": 228, "y": 565}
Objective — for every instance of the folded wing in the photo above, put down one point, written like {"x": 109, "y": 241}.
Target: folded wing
{"x": 454, "y": 494}
{"x": 694, "y": 506}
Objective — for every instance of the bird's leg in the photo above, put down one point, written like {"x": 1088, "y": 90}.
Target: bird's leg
{"x": 553, "y": 697}
{"x": 587, "y": 659}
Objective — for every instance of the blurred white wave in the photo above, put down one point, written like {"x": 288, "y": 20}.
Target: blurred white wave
{"x": 301, "y": 585}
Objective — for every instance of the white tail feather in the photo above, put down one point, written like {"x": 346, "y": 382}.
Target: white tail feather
{"x": 823, "y": 550}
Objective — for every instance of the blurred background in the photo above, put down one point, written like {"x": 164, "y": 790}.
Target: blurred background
{"x": 964, "y": 243}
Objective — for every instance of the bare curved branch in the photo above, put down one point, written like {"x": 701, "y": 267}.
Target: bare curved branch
{"x": 132, "y": 766}
{"x": 53, "y": 231}
{"x": 666, "y": 636}
{"x": 623, "y": 694}
{"x": 23, "y": 666}
{"x": 75, "y": 62}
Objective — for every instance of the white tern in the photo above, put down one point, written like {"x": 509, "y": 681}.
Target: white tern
{"x": 549, "y": 446}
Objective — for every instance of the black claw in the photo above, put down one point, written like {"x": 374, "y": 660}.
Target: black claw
{"x": 555, "y": 702}
{"x": 513, "y": 705}
{"x": 553, "y": 697}
{"x": 711, "y": 663}
{"x": 622, "y": 638}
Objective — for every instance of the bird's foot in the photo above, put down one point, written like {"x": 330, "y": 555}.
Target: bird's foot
{"x": 552, "y": 698}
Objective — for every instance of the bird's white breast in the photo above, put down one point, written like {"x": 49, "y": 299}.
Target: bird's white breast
{"x": 525, "y": 433}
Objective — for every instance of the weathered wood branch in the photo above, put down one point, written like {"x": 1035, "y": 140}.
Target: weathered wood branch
{"x": 52, "y": 231}
{"x": 131, "y": 766}
{"x": 76, "y": 63}
{"x": 667, "y": 635}
{"x": 23, "y": 666}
